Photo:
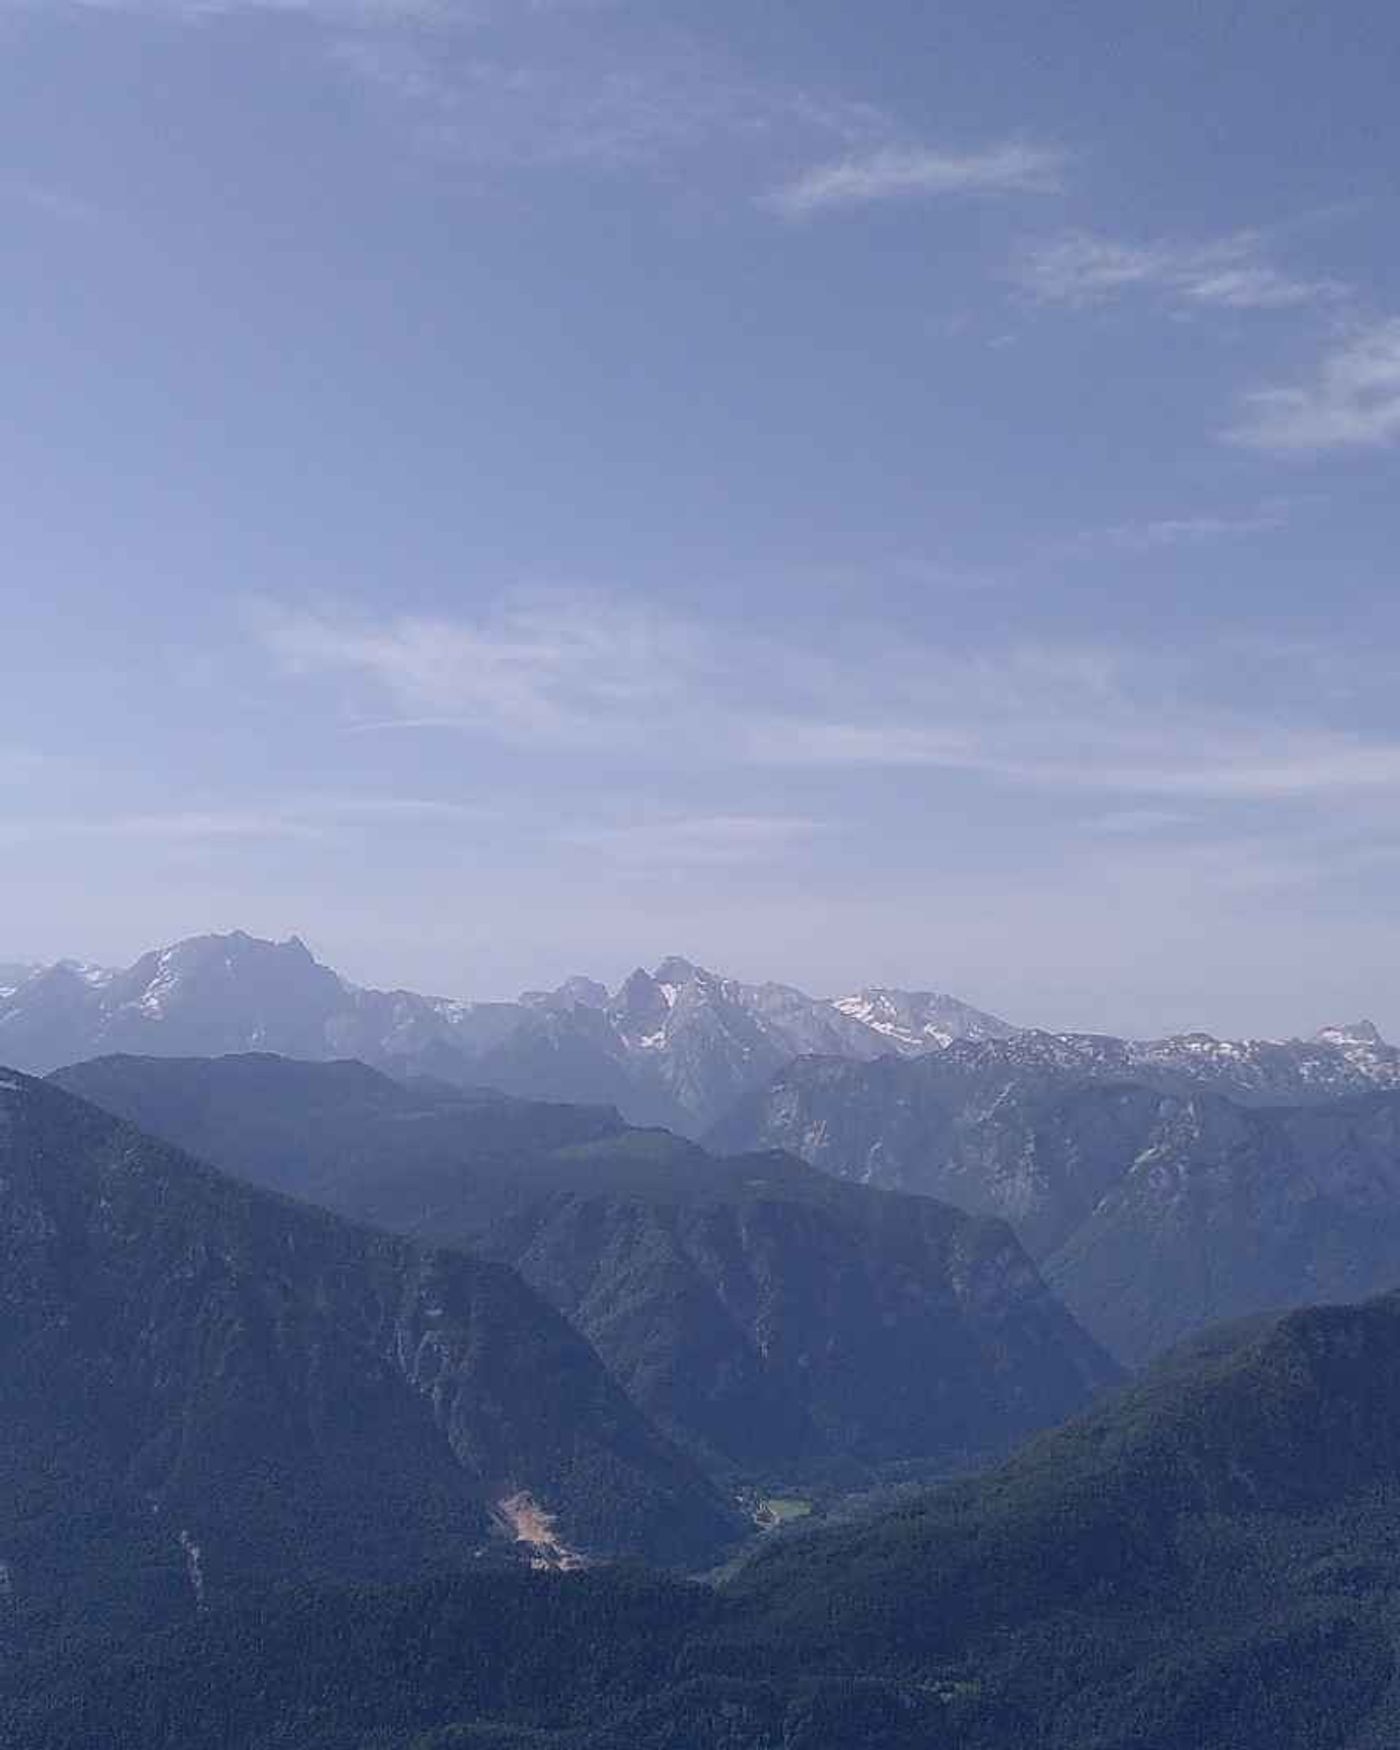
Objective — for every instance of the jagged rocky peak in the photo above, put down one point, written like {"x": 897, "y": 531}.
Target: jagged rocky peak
{"x": 1353, "y": 1033}
{"x": 641, "y": 1006}
{"x": 675, "y": 972}
{"x": 574, "y": 993}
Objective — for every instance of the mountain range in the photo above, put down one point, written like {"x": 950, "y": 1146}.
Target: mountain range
{"x": 1160, "y": 1186}
{"x": 770, "y": 1319}
{"x": 675, "y": 1046}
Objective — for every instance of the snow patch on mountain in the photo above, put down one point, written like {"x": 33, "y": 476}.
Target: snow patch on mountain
{"x": 917, "y": 1021}
{"x": 676, "y": 1046}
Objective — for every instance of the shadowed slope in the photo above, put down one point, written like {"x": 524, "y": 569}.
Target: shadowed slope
{"x": 767, "y": 1316}
{"x": 204, "y": 1387}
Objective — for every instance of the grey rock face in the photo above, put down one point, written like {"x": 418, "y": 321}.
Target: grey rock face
{"x": 1159, "y": 1186}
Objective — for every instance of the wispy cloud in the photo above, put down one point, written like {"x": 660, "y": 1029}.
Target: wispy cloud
{"x": 538, "y": 668}
{"x": 175, "y": 827}
{"x": 603, "y": 86}
{"x": 353, "y": 12}
{"x": 904, "y": 172}
{"x": 307, "y": 818}
{"x": 699, "y": 840}
{"x": 1153, "y": 534}
{"x": 1230, "y": 273}
{"x": 1353, "y": 401}
{"x": 613, "y": 678}
{"x": 1213, "y": 756}
{"x": 606, "y": 102}
{"x": 519, "y": 84}
{"x": 1139, "y": 823}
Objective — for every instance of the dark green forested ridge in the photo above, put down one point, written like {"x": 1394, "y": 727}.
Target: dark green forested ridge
{"x": 1209, "y": 1561}
{"x": 205, "y": 1387}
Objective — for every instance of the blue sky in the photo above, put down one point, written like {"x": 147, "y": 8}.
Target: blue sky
{"x": 898, "y": 493}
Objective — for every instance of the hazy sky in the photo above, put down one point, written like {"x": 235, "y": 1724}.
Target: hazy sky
{"x": 898, "y": 492}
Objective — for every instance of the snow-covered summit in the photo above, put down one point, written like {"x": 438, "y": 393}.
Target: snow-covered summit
{"x": 919, "y": 1020}
{"x": 1363, "y": 1033}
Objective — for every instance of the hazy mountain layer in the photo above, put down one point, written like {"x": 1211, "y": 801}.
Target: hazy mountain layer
{"x": 765, "y": 1315}
{"x": 674, "y": 1047}
{"x": 1153, "y": 1207}
{"x": 678, "y": 1046}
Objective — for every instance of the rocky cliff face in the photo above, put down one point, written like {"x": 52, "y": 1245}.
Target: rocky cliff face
{"x": 1153, "y": 1202}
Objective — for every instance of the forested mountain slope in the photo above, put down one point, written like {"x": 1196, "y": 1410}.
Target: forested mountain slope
{"x": 205, "y": 1388}
{"x": 1210, "y": 1561}
{"x": 767, "y": 1316}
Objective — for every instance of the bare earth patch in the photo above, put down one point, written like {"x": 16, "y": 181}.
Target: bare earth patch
{"x": 533, "y": 1525}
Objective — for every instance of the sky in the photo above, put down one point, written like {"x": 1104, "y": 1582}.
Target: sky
{"x": 897, "y": 493}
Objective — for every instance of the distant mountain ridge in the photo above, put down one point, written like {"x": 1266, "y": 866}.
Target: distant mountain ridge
{"x": 675, "y": 1046}
{"x": 1159, "y": 1186}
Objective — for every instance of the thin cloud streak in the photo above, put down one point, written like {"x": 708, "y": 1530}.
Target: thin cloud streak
{"x": 343, "y": 12}
{"x": 1157, "y": 533}
{"x": 909, "y": 172}
{"x": 698, "y": 841}
{"x": 592, "y": 676}
{"x": 467, "y": 83}
{"x": 540, "y": 669}
{"x": 1081, "y": 269}
{"x": 308, "y": 819}
{"x": 609, "y": 108}
{"x": 538, "y": 84}
{"x": 1223, "y": 762}
{"x": 1353, "y": 401}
